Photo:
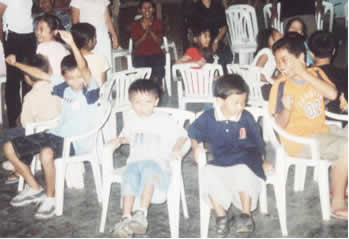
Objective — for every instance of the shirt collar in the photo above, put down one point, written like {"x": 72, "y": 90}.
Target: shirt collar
{"x": 220, "y": 117}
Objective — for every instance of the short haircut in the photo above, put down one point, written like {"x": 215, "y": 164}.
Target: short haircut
{"x": 144, "y": 86}
{"x": 68, "y": 64}
{"x": 293, "y": 42}
{"x": 83, "y": 33}
{"x": 322, "y": 44}
{"x": 38, "y": 61}
{"x": 304, "y": 26}
{"x": 140, "y": 5}
{"x": 231, "y": 84}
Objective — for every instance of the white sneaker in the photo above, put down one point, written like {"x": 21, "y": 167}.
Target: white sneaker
{"x": 28, "y": 196}
{"x": 47, "y": 209}
{"x": 121, "y": 229}
{"x": 7, "y": 165}
{"x": 138, "y": 223}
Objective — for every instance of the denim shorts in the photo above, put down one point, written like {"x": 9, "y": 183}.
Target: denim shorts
{"x": 28, "y": 146}
{"x": 144, "y": 172}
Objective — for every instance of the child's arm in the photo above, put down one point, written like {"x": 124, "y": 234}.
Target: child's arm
{"x": 184, "y": 59}
{"x": 197, "y": 149}
{"x": 117, "y": 142}
{"x": 80, "y": 60}
{"x": 111, "y": 29}
{"x": 30, "y": 70}
{"x": 283, "y": 117}
{"x": 177, "y": 148}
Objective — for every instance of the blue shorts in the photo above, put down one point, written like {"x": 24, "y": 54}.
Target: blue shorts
{"x": 144, "y": 172}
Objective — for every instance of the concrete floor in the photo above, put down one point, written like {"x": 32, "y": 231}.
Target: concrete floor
{"x": 81, "y": 212}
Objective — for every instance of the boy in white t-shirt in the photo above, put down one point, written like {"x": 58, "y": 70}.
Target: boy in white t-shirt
{"x": 154, "y": 140}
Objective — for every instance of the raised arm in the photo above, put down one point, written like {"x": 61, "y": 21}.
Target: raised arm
{"x": 111, "y": 29}
{"x": 75, "y": 15}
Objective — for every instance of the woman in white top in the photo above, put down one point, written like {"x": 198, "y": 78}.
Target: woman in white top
{"x": 96, "y": 13}
{"x": 19, "y": 40}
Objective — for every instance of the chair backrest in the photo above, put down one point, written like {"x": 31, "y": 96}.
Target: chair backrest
{"x": 197, "y": 81}
{"x": 270, "y": 66}
{"x": 2, "y": 61}
{"x": 319, "y": 18}
{"x": 242, "y": 23}
{"x": 116, "y": 89}
{"x": 277, "y": 24}
{"x": 252, "y": 76}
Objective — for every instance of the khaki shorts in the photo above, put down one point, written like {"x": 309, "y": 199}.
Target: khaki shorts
{"x": 332, "y": 145}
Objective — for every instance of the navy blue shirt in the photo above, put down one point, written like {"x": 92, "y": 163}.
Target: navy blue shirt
{"x": 231, "y": 142}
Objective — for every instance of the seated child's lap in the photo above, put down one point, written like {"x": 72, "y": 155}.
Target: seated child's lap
{"x": 225, "y": 183}
{"x": 138, "y": 174}
{"x": 28, "y": 146}
{"x": 332, "y": 145}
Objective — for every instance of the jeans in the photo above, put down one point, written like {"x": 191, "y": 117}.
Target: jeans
{"x": 157, "y": 64}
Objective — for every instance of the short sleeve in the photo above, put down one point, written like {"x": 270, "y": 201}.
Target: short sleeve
{"x": 198, "y": 129}
{"x": 194, "y": 53}
{"x": 75, "y": 3}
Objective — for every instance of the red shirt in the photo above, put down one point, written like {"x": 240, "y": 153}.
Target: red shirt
{"x": 148, "y": 46}
{"x": 194, "y": 53}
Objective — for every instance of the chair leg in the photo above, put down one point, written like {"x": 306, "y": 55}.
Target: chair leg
{"x": 263, "y": 203}
{"x": 324, "y": 191}
{"x": 280, "y": 196}
{"x": 173, "y": 202}
{"x": 60, "y": 178}
{"x": 205, "y": 212}
{"x": 105, "y": 205}
{"x": 300, "y": 173}
{"x": 184, "y": 201}
{"x": 97, "y": 177}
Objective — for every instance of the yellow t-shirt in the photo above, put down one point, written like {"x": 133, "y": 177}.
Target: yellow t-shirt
{"x": 307, "y": 112}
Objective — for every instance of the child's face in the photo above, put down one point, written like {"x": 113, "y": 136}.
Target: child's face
{"x": 276, "y": 35}
{"x": 74, "y": 79}
{"x": 296, "y": 26}
{"x": 43, "y": 32}
{"x": 147, "y": 10}
{"x": 287, "y": 63}
{"x": 205, "y": 38}
{"x": 143, "y": 103}
{"x": 233, "y": 105}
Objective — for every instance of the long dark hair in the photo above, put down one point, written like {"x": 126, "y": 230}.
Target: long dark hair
{"x": 263, "y": 38}
{"x": 206, "y": 52}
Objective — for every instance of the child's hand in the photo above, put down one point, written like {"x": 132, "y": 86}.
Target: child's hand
{"x": 11, "y": 59}
{"x": 66, "y": 36}
{"x": 343, "y": 104}
{"x": 287, "y": 101}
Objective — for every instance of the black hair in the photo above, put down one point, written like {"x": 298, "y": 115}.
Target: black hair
{"x": 263, "y": 38}
{"x": 144, "y": 86}
{"x": 231, "y": 84}
{"x": 304, "y": 26}
{"x": 38, "y": 61}
{"x": 322, "y": 44}
{"x": 144, "y": 1}
{"x": 53, "y": 23}
{"x": 197, "y": 30}
{"x": 68, "y": 63}
{"x": 83, "y": 33}
{"x": 293, "y": 42}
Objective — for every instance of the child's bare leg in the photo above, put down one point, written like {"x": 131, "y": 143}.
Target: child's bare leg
{"x": 46, "y": 158}
{"x": 339, "y": 180}
{"x": 147, "y": 196}
{"x": 128, "y": 202}
{"x": 218, "y": 209}
{"x": 245, "y": 203}
{"x": 20, "y": 167}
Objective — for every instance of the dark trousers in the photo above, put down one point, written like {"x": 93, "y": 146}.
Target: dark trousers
{"x": 157, "y": 64}
{"x": 23, "y": 46}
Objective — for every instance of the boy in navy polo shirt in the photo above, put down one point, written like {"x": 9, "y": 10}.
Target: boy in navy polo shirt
{"x": 79, "y": 93}
{"x": 235, "y": 173}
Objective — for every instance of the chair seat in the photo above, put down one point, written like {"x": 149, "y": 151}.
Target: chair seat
{"x": 243, "y": 46}
{"x": 119, "y": 52}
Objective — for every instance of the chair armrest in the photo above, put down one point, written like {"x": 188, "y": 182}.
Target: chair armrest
{"x": 202, "y": 161}
{"x": 333, "y": 122}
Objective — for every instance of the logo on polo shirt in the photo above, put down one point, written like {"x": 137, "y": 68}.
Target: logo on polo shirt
{"x": 243, "y": 134}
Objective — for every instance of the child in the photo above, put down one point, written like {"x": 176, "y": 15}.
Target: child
{"x": 48, "y": 44}
{"x": 234, "y": 176}
{"x": 154, "y": 139}
{"x": 199, "y": 52}
{"x": 297, "y": 25}
{"x": 323, "y": 45}
{"x": 79, "y": 93}
{"x": 85, "y": 38}
{"x": 297, "y": 103}
{"x": 38, "y": 104}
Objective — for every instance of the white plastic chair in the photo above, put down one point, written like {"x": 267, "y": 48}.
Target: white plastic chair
{"x": 277, "y": 24}
{"x": 270, "y": 66}
{"x": 277, "y": 179}
{"x": 112, "y": 174}
{"x": 197, "y": 82}
{"x": 319, "y": 18}
{"x": 166, "y": 48}
{"x": 252, "y": 76}
{"x": 2, "y": 81}
{"x": 334, "y": 116}
{"x": 116, "y": 92}
{"x": 346, "y": 13}
{"x": 118, "y": 53}
{"x": 243, "y": 30}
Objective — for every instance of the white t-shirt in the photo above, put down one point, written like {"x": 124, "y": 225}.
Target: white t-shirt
{"x": 97, "y": 65}
{"x": 55, "y": 52}
{"x": 270, "y": 65}
{"x": 92, "y": 11}
{"x": 151, "y": 138}
{"x": 18, "y": 16}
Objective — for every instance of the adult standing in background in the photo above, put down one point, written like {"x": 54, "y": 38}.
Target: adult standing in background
{"x": 96, "y": 12}
{"x": 304, "y": 9}
{"x": 18, "y": 38}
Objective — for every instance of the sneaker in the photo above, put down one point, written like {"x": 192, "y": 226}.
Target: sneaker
{"x": 139, "y": 223}
{"x": 121, "y": 229}
{"x": 245, "y": 223}
{"x": 7, "y": 165}
{"x": 47, "y": 209}
{"x": 222, "y": 226}
{"x": 28, "y": 196}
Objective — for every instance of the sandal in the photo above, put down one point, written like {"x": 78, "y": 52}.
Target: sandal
{"x": 12, "y": 179}
{"x": 222, "y": 226}
{"x": 339, "y": 213}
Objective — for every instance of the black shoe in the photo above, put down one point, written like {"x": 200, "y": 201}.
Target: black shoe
{"x": 222, "y": 226}
{"x": 245, "y": 223}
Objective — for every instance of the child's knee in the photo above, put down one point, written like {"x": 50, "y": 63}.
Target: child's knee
{"x": 8, "y": 148}
{"x": 46, "y": 155}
